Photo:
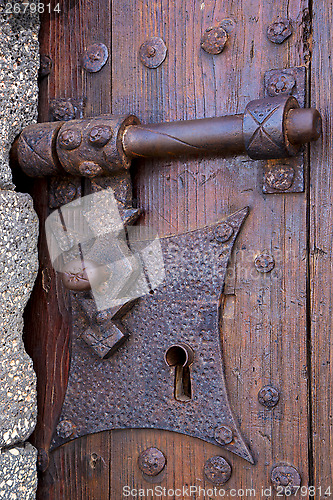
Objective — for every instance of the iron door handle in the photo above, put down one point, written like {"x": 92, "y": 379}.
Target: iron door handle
{"x": 270, "y": 128}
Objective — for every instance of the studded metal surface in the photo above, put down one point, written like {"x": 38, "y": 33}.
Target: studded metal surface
{"x": 117, "y": 393}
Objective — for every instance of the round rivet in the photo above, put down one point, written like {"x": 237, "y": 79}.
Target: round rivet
{"x": 279, "y": 30}
{"x": 95, "y": 57}
{"x": 65, "y": 429}
{"x": 78, "y": 275}
{"x": 152, "y": 461}
{"x": 153, "y": 52}
{"x": 287, "y": 477}
{"x": 268, "y": 396}
{"x": 217, "y": 470}
{"x": 100, "y": 135}
{"x": 223, "y": 232}
{"x": 90, "y": 169}
{"x": 103, "y": 316}
{"x": 70, "y": 139}
{"x": 280, "y": 177}
{"x": 280, "y": 84}
{"x": 223, "y": 435}
{"x": 214, "y": 39}
{"x": 264, "y": 263}
{"x": 62, "y": 111}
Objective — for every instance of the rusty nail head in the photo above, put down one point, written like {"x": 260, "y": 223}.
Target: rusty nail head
{"x": 268, "y": 396}
{"x": 152, "y": 461}
{"x": 103, "y": 316}
{"x": 66, "y": 429}
{"x": 95, "y": 57}
{"x": 45, "y": 66}
{"x": 62, "y": 191}
{"x": 264, "y": 263}
{"x": 223, "y": 435}
{"x": 280, "y": 84}
{"x": 90, "y": 169}
{"x": 100, "y": 135}
{"x": 70, "y": 139}
{"x": 62, "y": 110}
{"x": 223, "y": 232}
{"x": 217, "y": 470}
{"x": 287, "y": 477}
{"x": 280, "y": 177}
{"x": 153, "y": 52}
{"x": 214, "y": 39}
{"x": 279, "y": 30}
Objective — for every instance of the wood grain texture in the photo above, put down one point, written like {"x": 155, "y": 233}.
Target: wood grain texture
{"x": 321, "y": 240}
{"x": 264, "y": 324}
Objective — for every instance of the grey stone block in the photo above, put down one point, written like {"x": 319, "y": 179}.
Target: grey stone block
{"x": 18, "y": 269}
{"x": 18, "y": 478}
{"x": 19, "y": 63}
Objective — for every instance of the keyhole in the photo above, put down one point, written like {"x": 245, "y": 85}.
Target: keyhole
{"x": 181, "y": 357}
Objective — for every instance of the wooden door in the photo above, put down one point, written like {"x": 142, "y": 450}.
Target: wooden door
{"x": 274, "y": 318}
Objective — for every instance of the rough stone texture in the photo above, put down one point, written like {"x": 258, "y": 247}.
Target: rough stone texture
{"x": 19, "y": 62}
{"x": 18, "y": 479}
{"x": 18, "y": 268}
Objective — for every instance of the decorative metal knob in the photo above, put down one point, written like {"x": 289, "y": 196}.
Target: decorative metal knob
{"x": 270, "y": 128}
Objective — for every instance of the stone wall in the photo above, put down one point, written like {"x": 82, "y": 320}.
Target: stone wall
{"x": 19, "y": 62}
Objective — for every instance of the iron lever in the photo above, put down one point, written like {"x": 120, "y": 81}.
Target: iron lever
{"x": 270, "y": 128}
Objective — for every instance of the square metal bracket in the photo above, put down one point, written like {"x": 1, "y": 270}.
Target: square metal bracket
{"x": 285, "y": 176}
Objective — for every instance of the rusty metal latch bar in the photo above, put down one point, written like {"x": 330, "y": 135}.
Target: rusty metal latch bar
{"x": 270, "y": 128}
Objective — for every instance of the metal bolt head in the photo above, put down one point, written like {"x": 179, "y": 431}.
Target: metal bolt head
{"x": 223, "y": 232}
{"x": 217, "y": 470}
{"x": 280, "y": 177}
{"x": 214, "y": 39}
{"x": 66, "y": 429}
{"x": 70, "y": 139}
{"x": 62, "y": 111}
{"x": 268, "y": 396}
{"x": 100, "y": 135}
{"x": 90, "y": 169}
{"x": 279, "y": 30}
{"x": 280, "y": 84}
{"x": 287, "y": 477}
{"x": 152, "y": 461}
{"x": 45, "y": 66}
{"x": 153, "y": 52}
{"x": 264, "y": 263}
{"x": 95, "y": 57}
{"x": 223, "y": 435}
{"x": 103, "y": 316}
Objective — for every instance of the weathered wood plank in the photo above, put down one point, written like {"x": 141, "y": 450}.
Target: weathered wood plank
{"x": 321, "y": 248}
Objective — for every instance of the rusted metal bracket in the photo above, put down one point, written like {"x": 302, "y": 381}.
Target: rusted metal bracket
{"x": 148, "y": 382}
{"x": 287, "y": 175}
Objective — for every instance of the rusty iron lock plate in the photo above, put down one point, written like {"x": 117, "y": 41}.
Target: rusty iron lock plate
{"x": 136, "y": 387}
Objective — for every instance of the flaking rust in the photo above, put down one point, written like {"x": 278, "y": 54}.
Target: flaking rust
{"x": 134, "y": 388}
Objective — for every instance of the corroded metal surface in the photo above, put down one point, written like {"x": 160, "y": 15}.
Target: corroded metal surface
{"x": 214, "y": 39}
{"x": 135, "y": 387}
{"x": 287, "y": 175}
{"x": 153, "y": 52}
{"x": 217, "y": 470}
